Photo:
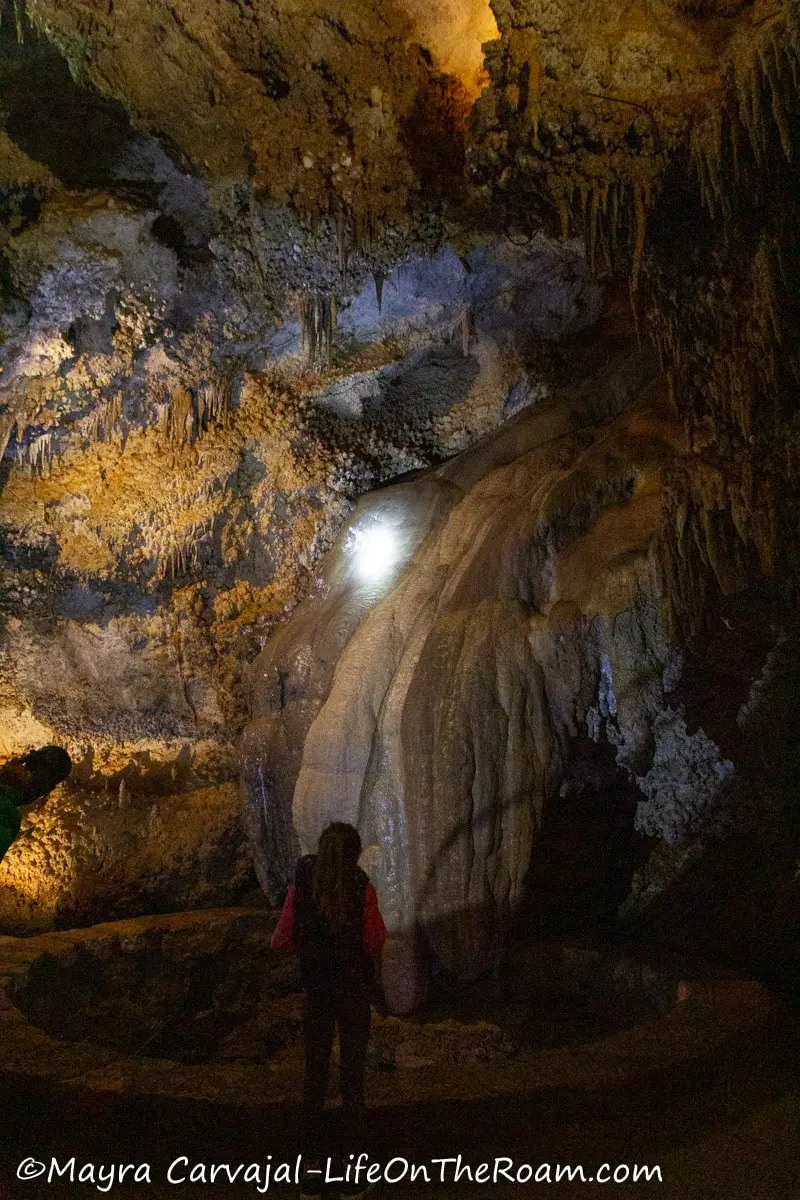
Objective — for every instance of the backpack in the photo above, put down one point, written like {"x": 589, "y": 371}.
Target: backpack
{"x": 330, "y": 960}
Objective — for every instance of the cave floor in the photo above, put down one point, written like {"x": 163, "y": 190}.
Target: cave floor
{"x": 706, "y": 1089}
{"x": 730, "y": 1131}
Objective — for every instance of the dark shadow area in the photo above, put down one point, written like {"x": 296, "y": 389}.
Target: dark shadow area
{"x": 73, "y": 130}
{"x": 738, "y": 898}
{"x": 721, "y": 665}
{"x": 431, "y": 381}
{"x": 148, "y": 1003}
{"x": 434, "y": 135}
{"x": 584, "y": 856}
{"x": 170, "y": 233}
{"x": 587, "y": 850}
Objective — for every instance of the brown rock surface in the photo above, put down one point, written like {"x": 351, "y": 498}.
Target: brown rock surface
{"x": 84, "y": 857}
{"x": 315, "y": 104}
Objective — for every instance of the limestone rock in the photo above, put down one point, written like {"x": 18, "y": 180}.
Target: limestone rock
{"x": 434, "y": 707}
{"x": 684, "y": 782}
{"x": 316, "y": 104}
{"x": 83, "y": 857}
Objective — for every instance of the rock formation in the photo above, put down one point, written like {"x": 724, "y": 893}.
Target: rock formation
{"x": 435, "y": 707}
{"x": 429, "y": 373}
{"x": 666, "y": 134}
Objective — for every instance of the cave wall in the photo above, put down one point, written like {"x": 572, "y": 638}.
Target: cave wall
{"x": 87, "y": 857}
{"x": 667, "y": 135}
{"x": 195, "y": 386}
{"x": 297, "y": 263}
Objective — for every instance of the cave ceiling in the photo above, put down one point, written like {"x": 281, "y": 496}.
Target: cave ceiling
{"x": 178, "y": 179}
{"x": 357, "y": 112}
{"x": 314, "y": 104}
{"x": 317, "y": 104}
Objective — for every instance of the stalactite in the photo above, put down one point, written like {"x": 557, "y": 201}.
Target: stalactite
{"x": 563, "y": 212}
{"x": 380, "y": 279}
{"x": 38, "y": 453}
{"x": 765, "y": 273}
{"x": 359, "y": 230}
{"x": 341, "y": 238}
{"x": 177, "y": 550}
{"x": 642, "y": 198}
{"x": 317, "y": 316}
{"x": 612, "y": 213}
{"x": 19, "y": 13}
{"x": 330, "y": 329}
{"x": 302, "y": 305}
{"x": 7, "y": 422}
{"x": 212, "y": 399}
{"x": 188, "y": 414}
{"x": 162, "y": 418}
{"x": 779, "y": 115}
{"x": 615, "y": 215}
{"x": 103, "y": 422}
{"x": 761, "y": 98}
{"x": 181, "y": 417}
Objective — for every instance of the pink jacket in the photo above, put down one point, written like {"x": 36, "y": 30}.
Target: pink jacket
{"x": 373, "y": 926}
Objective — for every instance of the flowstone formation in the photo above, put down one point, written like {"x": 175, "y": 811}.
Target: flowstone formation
{"x": 482, "y": 640}
{"x": 470, "y": 628}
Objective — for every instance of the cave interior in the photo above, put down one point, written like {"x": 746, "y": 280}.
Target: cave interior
{"x": 400, "y": 425}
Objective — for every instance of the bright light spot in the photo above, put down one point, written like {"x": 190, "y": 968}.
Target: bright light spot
{"x": 375, "y": 550}
{"x": 454, "y": 30}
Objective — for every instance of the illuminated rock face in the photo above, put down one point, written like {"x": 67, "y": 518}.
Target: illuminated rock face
{"x": 83, "y": 858}
{"x": 455, "y": 33}
{"x": 432, "y": 703}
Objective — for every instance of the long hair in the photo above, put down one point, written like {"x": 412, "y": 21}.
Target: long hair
{"x": 334, "y": 884}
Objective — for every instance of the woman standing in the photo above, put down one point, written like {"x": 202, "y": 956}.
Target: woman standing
{"x": 331, "y": 918}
